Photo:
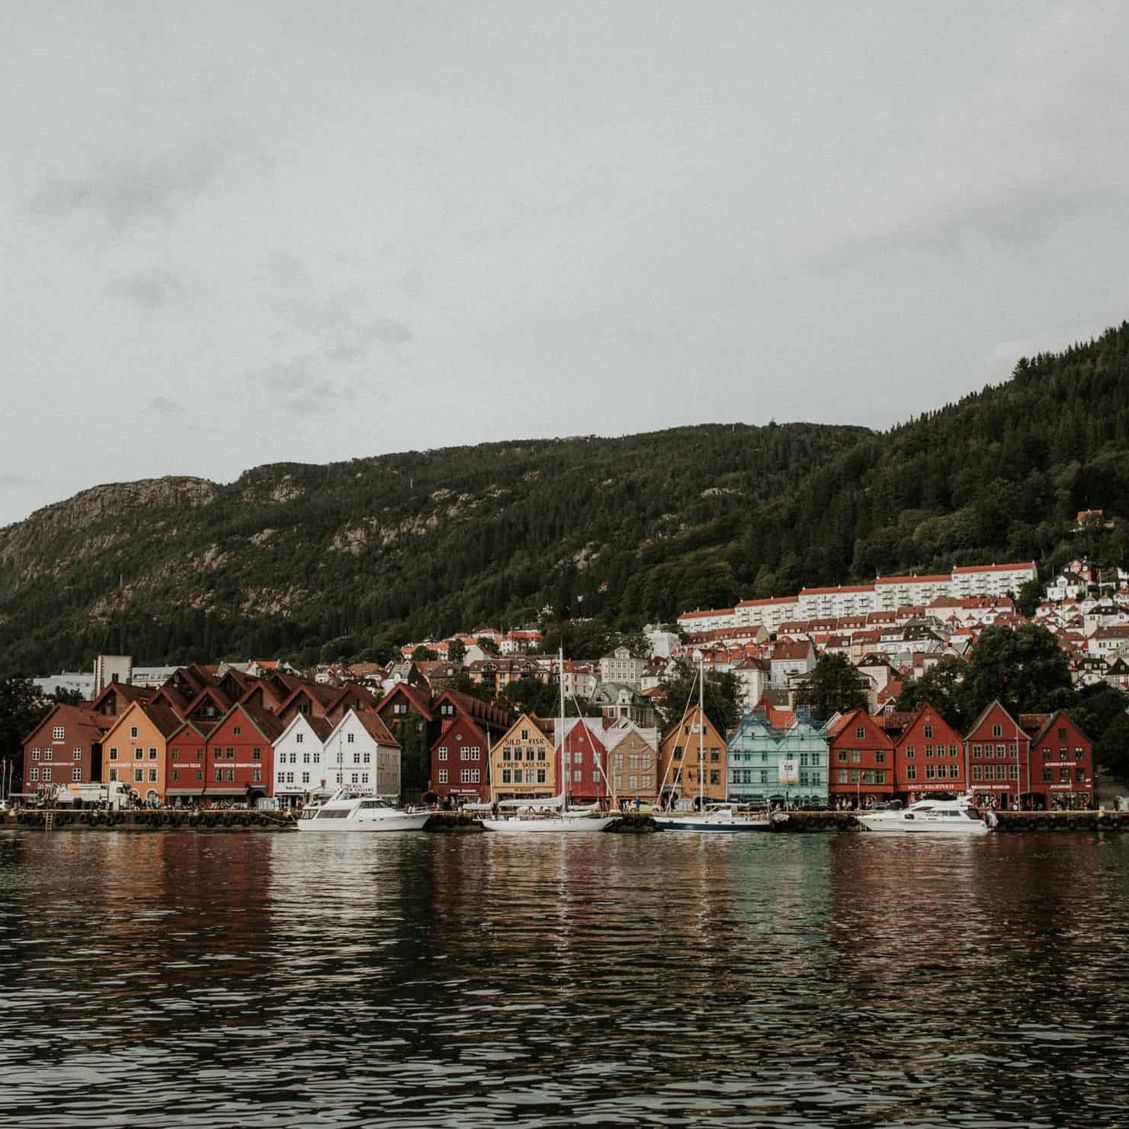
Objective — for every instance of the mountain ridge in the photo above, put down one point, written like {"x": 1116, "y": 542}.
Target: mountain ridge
{"x": 342, "y": 559}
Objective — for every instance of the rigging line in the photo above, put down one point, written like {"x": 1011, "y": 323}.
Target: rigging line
{"x": 670, "y": 763}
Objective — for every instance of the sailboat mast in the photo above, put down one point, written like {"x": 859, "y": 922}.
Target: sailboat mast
{"x": 564, "y": 768}
{"x": 701, "y": 733}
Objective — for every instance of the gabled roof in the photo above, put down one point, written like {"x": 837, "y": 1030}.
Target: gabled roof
{"x": 995, "y": 704}
{"x": 418, "y": 699}
{"x": 91, "y": 724}
{"x": 124, "y": 690}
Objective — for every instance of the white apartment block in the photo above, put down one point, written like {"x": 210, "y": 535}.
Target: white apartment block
{"x": 886, "y": 594}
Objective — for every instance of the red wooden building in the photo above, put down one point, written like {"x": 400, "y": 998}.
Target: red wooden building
{"x": 1062, "y": 762}
{"x": 586, "y": 761}
{"x": 239, "y": 755}
{"x": 929, "y": 757}
{"x": 64, "y": 748}
{"x": 861, "y": 761}
{"x": 999, "y": 760}
{"x": 460, "y": 763}
{"x": 186, "y": 749}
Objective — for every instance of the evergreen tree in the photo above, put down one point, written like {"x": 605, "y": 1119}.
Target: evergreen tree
{"x": 833, "y": 686}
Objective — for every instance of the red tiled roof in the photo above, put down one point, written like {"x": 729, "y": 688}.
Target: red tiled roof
{"x": 933, "y": 579}
{"x": 963, "y": 569}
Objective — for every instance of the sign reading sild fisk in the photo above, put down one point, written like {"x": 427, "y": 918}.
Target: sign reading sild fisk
{"x": 789, "y": 772}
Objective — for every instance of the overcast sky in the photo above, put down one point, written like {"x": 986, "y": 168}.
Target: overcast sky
{"x": 236, "y": 233}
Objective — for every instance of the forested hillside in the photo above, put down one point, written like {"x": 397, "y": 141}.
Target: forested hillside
{"x": 340, "y": 560}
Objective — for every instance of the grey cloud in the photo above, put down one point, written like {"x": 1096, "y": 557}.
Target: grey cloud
{"x": 163, "y": 406}
{"x": 345, "y": 336}
{"x": 131, "y": 190}
{"x": 286, "y": 271}
{"x": 1013, "y": 222}
{"x": 152, "y": 289}
{"x": 9, "y": 478}
{"x": 298, "y": 385}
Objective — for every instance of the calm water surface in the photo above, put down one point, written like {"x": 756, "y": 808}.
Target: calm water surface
{"x": 831, "y": 980}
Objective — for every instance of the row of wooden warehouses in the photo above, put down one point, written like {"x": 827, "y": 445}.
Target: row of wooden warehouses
{"x": 212, "y": 735}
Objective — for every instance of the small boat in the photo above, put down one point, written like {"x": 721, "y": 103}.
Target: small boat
{"x": 353, "y": 811}
{"x": 928, "y": 817}
{"x": 716, "y": 817}
{"x": 522, "y": 817}
{"x": 532, "y": 823}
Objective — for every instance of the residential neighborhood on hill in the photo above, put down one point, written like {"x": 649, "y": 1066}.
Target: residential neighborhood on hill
{"x": 447, "y": 723}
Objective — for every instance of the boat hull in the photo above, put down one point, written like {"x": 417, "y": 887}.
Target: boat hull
{"x": 551, "y": 825}
{"x": 919, "y": 827}
{"x": 692, "y": 823}
{"x": 400, "y": 822}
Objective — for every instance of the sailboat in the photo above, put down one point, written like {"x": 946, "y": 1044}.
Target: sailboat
{"x": 711, "y": 817}
{"x": 553, "y": 816}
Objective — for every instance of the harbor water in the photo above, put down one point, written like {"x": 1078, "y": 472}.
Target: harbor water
{"x": 181, "y": 979}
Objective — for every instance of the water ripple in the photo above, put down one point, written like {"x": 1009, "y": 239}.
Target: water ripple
{"x": 467, "y": 981}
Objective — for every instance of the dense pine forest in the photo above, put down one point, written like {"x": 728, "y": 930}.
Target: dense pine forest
{"x": 344, "y": 560}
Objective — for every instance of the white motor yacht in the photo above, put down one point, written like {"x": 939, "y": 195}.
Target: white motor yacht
{"x": 352, "y": 811}
{"x": 928, "y": 817}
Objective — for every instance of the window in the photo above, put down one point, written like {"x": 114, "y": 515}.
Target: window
{"x": 219, "y": 774}
{"x": 138, "y": 754}
{"x": 442, "y": 752}
{"x": 199, "y": 775}
{"x": 133, "y": 732}
{"x": 577, "y": 757}
{"x": 305, "y": 777}
{"x": 506, "y": 775}
{"x": 305, "y": 758}
{"x": 860, "y": 732}
{"x": 856, "y": 757}
{"x": 578, "y": 775}
{"x": 35, "y": 754}
{"x": 1062, "y": 734}
{"x": 464, "y": 776}
{"x": 911, "y": 752}
{"x": 997, "y": 731}
{"x": 152, "y": 776}
{"x": 299, "y": 738}
{"x": 841, "y": 756}
{"x": 76, "y": 754}
{"x": 256, "y": 775}
{"x": 472, "y": 752}
{"x": 541, "y": 776}
{"x": 237, "y": 731}
{"x": 174, "y": 754}
{"x": 954, "y": 771}
{"x": 399, "y": 708}
{"x": 928, "y": 731}
{"x": 715, "y": 776}
{"x": 113, "y": 773}
{"x": 152, "y": 754}
{"x": 677, "y": 752}
{"x": 138, "y": 775}
{"x": 976, "y": 750}
{"x": 76, "y": 773}
{"x": 257, "y": 753}
{"x": 879, "y": 756}
{"x": 35, "y": 774}
{"x": 349, "y": 738}
{"x": 911, "y": 772}
{"x": 1047, "y": 775}
{"x": 517, "y": 775}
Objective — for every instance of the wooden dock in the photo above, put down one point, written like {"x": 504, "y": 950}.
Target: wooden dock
{"x": 93, "y": 819}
